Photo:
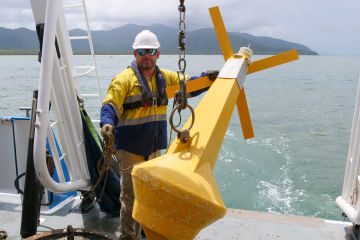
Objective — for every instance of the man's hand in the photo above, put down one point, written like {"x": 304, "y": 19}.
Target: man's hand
{"x": 212, "y": 74}
{"x": 107, "y": 131}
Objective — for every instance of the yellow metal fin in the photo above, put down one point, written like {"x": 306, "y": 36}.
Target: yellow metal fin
{"x": 227, "y": 52}
{"x": 221, "y": 33}
{"x": 273, "y": 61}
{"x": 244, "y": 115}
{"x": 191, "y": 86}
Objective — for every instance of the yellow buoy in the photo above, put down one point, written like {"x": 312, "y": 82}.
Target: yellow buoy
{"x": 176, "y": 194}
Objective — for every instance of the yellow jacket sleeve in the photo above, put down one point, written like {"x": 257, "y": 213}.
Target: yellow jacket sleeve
{"x": 118, "y": 90}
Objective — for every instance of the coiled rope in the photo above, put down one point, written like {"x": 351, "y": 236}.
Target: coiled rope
{"x": 107, "y": 162}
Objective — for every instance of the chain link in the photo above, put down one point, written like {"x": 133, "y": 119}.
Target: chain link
{"x": 182, "y": 27}
{"x": 182, "y": 50}
{"x": 180, "y": 100}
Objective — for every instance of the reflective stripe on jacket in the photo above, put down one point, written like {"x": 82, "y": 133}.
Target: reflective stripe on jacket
{"x": 141, "y": 130}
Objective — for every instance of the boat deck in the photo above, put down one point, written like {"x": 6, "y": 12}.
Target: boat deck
{"x": 237, "y": 224}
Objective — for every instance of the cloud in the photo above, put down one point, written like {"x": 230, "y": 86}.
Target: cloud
{"x": 15, "y": 14}
{"x": 320, "y": 24}
{"x": 119, "y": 13}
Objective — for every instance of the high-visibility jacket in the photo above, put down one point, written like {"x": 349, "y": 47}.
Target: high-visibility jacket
{"x": 140, "y": 130}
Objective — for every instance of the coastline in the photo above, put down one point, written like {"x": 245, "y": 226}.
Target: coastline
{"x": 22, "y": 52}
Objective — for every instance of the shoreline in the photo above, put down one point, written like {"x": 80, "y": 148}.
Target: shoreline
{"x": 23, "y": 52}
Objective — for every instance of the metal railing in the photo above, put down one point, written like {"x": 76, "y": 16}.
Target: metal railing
{"x": 88, "y": 69}
{"x": 59, "y": 91}
{"x": 349, "y": 201}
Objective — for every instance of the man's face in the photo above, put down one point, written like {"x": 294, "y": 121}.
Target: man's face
{"x": 146, "y": 62}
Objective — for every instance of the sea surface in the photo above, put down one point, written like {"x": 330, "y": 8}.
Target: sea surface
{"x": 301, "y": 114}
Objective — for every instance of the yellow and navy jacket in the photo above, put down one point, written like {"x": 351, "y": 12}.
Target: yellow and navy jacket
{"x": 143, "y": 129}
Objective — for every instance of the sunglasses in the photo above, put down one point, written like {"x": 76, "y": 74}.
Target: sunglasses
{"x": 142, "y": 52}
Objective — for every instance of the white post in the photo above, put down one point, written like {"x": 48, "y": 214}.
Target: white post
{"x": 349, "y": 201}
{"x": 56, "y": 84}
{"x": 45, "y": 88}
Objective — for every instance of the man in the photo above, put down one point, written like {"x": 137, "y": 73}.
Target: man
{"x": 136, "y": 104}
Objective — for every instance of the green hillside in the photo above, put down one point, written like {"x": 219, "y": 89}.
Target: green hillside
{"x": 119, "y": 41}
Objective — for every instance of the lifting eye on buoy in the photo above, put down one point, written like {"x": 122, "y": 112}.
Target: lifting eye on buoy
{"x": 183, "y": 135}
{"x": 180, "y": 100}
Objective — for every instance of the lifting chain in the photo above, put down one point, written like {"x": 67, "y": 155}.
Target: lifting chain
{"x": 180, "y": 101}
{"x": 182, "y": 48}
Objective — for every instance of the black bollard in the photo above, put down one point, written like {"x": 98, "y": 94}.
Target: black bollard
{"x": 32, "y": 189}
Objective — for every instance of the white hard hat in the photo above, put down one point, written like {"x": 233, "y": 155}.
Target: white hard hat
{"x": 147, "y": 40}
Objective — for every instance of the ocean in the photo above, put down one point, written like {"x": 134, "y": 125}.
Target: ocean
{"x": 301, "y": 114}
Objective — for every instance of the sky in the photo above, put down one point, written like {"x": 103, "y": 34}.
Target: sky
{"x": 328, "y": 27}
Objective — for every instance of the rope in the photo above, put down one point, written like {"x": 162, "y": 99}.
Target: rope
{"x": 107, "y": 162}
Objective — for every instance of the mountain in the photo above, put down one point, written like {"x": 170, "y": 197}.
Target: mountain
{"x": 20, "y": 38}
{"x": 201, "y": 41}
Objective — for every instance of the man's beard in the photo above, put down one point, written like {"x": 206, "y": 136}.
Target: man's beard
{"x": 146, "y": 65}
